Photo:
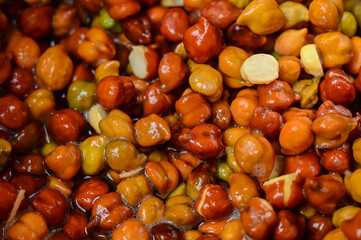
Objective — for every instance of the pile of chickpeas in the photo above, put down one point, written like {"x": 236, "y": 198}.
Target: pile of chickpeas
{"x": 180, "y": 119}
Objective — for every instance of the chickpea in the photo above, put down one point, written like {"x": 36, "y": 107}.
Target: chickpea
{"x": 76, "y": 226}
{"x": 21, "y": 83}
{"x": 243, "y": 37}
{"x": 155, "y": 101}
{"x": 33, "y": 164}
{"x": 151, "y": 210}
{"x": 306, "y": 164}
{"x": 179, "y": 210}
{"x": 120, "y": 10}
{"x": 81, "y": 95}
{"x": 72, "y": 42}
{"x": 242, "y": 109}
{"x": 351, "y": 227}
{"x": 184, "y": 162}
{"x": 318, "y": 226}
{"x": 337, "y": 160}
{"x": 152, "y": 130}
{"x": 155, "y": 15}
{"x": 233, "y": 230}
{"x": 166, "y": 231}
{"x": 354, "y": 65}
{"x": 88, "y": 192}
{"x": 9, "y": 193}
{"x": 343, "y": 214}
{"x": 5, "y": 151}
{"x": 138, "y": 30}
{"x": 93, "y": 6}
{"x": 134, "y": 189}
{"x": 5, "y": 63}
{"x": 30, "y": 183}
{"x": 14, "y": 113}
{"x": 326, "y": 14}
{"x": 41, "y": 103}
{"x": 267, "y": 122}
{"x": 54, "y": 68}
{"x": 221, "y": 113}
{"x": 52, "y": 205}
{"x": 63, "y": 186}
{"x": 290, "y": 42}
{"x": 174, "y": 24}
{"x": 28, "y": 138}
{"x": 92, "y": 154}
{"x": 131, "y": 229}
{"x": 65, "y": 20}
{"x": 295, "y": 12}
{"x": 351, "y": 181}
{"x": 32, "y": 16}
{"x": 295, "y": 226}
{"x": 30, "y": 225}
{"x": 290, "y": 69}
{"x": 329, "y": 107}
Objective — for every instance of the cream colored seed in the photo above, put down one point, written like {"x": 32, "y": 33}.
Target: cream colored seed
{"x": 260, "y": 69}
{"x": 310, "y": 60}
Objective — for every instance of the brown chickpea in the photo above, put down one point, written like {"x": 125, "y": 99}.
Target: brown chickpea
{"x": 255, "y": 155}
{"x": 151, "y": 210}
{"x": 32, "y": 16}
{"x": 152, "y": 130}
{"x": 242, "y": 109}
{"x": 243, "y": 37}
{"x": 25, "y": 50}
{"x": 306, "y": 164}
{"x": 93, "y": 6}
{"x": 197, "y": 179}
{"x": 351, "y": 227}
{"x": 148, "y": 3}
{"x": 88, "y": 192}
{"x": 289, "y": 69}
{"x": 204, "y": 141}
{"x": 163, "y": 175}
{"x": 28, "y": 138}
{"x": 193, "y": 109}
{"x": 337, "y": 160}
{"x": 172, "y": 71}
{"x": 33, "y": 164}
{"x": 76, "y": 226}
{"x": 122, "y": 9}
{"x": 298, "y": 112}
{"x": 14, "y": 113}
{"x": 41, "y": 103}
{"x": 203, "y": 41}
{"x": 134, "y": 189}
{"x": 179, "y": 210}
{"x": 72, "y": 42}
{"x": 296, "y": 135}
{"x": 3, "y": 22}
{"x": 329, "y": 107}
{"x": 30, "y": 225}
{"x": 131, "y": 229}
{"x": 195, "y": 5}
{"x": 174, "y": 24}
{"x": 52, "y": 205}
{"x": 213, "y": 226}
{"x": 29, "y": 182}
{"x": 326, "y": 14}
{"x": 323, "y": 192}
{"x": 54, "y": 68}
{"x": 108, "y": 211}
{"x": 64, "y": 161}
{"x": 289, "y": 226}
{"x": 65, "y": 20}
{"x": 155, "y": 15}
{"x": 318, "y": 226}
{"x": 233, "y": 230}
{"x": 156, "y": 101}
{"x": 166, "y": 231}
{"x": 138, "y": 30}
{"x": 221, "y": 113}
{"x": 222, "y": 13}
{"x": 5, "y": 66}
{"x": 82, "y": 72}
{"x": 8, "y": 194}
{"x": 21, "y": 82}
{"x": 258, "y": 219}
{"x": 277, "y": 95}
{"x": 60, "y": 236}
{"x": 97, "y": 47}
{"x": 66, "y": 125}
{"x": 267, "y": 122}
{"x": 184, "y": 162}
{"x": 337, "y": 88}
{"x": 110, "y": 92}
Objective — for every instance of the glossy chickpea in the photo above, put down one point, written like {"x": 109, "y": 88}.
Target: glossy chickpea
{"x": 174, "y": 24}
{"x": 131, "y": 229}
{"x": 179, "y": 210}
{"x": 184, "y": 162}
{"x": 52, "y": 205}
{"x": 60, "y": 236}
{"x": 195, "y": 5}
{"x": 33, "y": 164}
{"x": 54, "y": 68}
{"x": 351, "y": 183}
{"x": 258, "y": 218}
{"x": 5, "y": 63}
{"x": 354, "y": 65}
{"x": 28, "y": 138}
{"x": 21, "y": 83}
{"x": 203, "y": 41}
{"x": 14, "y": 113}
{"x": 88, "y": 192}
{"x": 318, "y": 226}
{"x": 151, "y": 210}
{"x": 289, "y": 226}
{"x": 110, "y": 92}
{"x": 278, "y": 95}
{"x": 204, "y": 141}
{"x": 165, "y": 231}
{"x": 199, "y": 176}
{"x": 213, "y": 226}
{"x": 108, "y": 211}
{"x": 66, "y": 125}
{"x": 243, "y": 37}
{"x": 134, "y": 189}
{"x": 82, "y": 72}
{"x": 337, "y": 88}
{"x": 41, "y": 103}
{"x": 92, "y": 154}
{"x": 233, "y": 230}
{"x": 97, "y": 47}
{"x": 306, "y": 164}
{"x": 64, "y": 161}
{"x": 9, "y": 194}
{"x": 221, "y": 113}
{"x": 30, "y": 225}
{"x": 93, "y": 6}
{"x": 152, "y": 130}
{"x": 326, "y": 14}
{"x": 242, "y": 109}
{"x": 329, "y": 107}
{"x": 65, "y": 20}
{"x": 222, "y": 13}
{"x": 172, "y": 71}
{"x": 296, "y": 135}
{"x": 337, "y": 160}
{"x": 351, "y": 227}
{"x": 341, "y": 45}
{"x": 25, "y": 50}
{"x": 72, "y": 42}
{"x": 32, "y": 16}
{"x": 290, "y": 69}
{"x": 290, "y": 42}
{"x": 76, "y": 226}
{"x": 155, "y": 15}
{"x": 193, "y": 109}
{"x": 324, "y": 192}
{"x": 267, "y": 122}
{"x": 63, "y": 186}
{"x": 5, "y": 152}
{"x": 120, "y": 10}
{"x": 81, "y": 95}
{"x": 138, "y": 30}
{"x": 30, "y": 183}
{"x": 255, "y": 155}
{"x": 163, "y": 175}
{"x": 156, "y": 101}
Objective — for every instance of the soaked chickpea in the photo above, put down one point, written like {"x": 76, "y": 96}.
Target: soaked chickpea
{"x": 41, "y": 103}
{"x": 151, "y": 210}
{"x": 14, "y": 113}
{"x": 152, "y": 130}
{"x": 174, "y": 24}
{"x": 131, "y": 229}
{"x": 30, "y": 225}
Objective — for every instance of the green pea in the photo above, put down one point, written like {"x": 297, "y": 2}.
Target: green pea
{"x": 105, "y": 20}
{"x": 348, "y": 24}
{"x": 224, "y": 170}
{"x": 81, "y": 95}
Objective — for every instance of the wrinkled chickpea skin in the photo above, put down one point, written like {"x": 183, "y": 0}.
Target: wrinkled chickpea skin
{"x": 180, "y": 119}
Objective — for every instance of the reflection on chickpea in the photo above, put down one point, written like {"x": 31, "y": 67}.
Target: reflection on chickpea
{"x": 131, "y": 229}
{"x": 14, "y": 113}
{"x": 30, "y": 225}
